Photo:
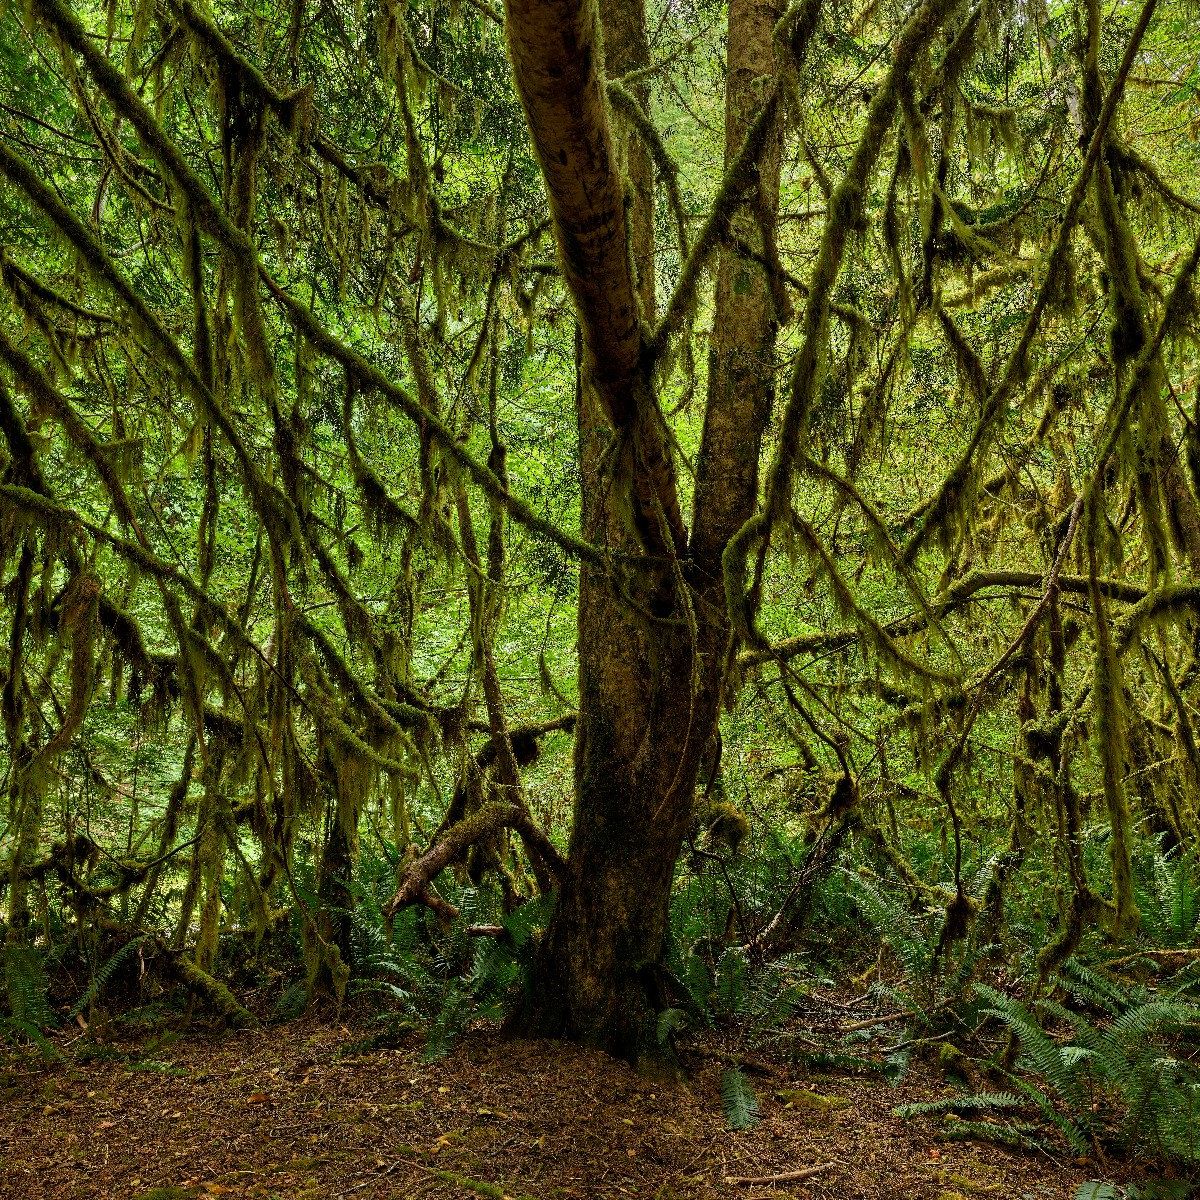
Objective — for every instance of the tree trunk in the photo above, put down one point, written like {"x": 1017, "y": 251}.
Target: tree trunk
{"x": 639, "y": 739}
{"x": 741, "y": 366}
{"x": 651, "y": 647}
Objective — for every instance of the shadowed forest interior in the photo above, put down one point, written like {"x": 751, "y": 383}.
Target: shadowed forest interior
{"x": 600, "y": 597}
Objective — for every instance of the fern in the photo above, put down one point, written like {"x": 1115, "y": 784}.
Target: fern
{"x": 1074, "y": 1125}
{"x": 914, "y": 942}
{"x": 1094, "y": 1189}
{"x": 739, "y": 1100}
{"x": 1019, "y": 1135}
{"x": 1093, "y": 989}
{"x": 1156, "y": 1095}
{"x": 1043, "y": 1054}
{"x": 850, "y": 1064}
{"x": 27, "y": 987}
{"x": 695, "y": 980}
{"x": 670, "y": 1022}
{"x": 100, "y": 978}
{"x": 451, "y": 1020}
{"x": 441, "y": 986}
{"x": 522, "y": 923}
{"x": 1169, "y": 898}
{"x": 978, "y": 1102}
{"x": 731, "y": 985}
{"x": 1130, "y": 1030}
{"x": 937, "y": 990}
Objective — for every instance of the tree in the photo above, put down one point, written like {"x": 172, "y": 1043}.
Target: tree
{"x": 653, "y": 654}
{"x": 285, "y": 283}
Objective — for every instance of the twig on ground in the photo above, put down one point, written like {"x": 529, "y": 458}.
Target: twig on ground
{"x": 872, "y": 1022}
{"x": 783, "y": 1177}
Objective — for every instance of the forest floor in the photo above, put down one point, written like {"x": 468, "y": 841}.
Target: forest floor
{"x": 302, "y": 1112}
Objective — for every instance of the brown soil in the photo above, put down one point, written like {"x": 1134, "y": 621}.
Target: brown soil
{"x": 293, "y": 1112}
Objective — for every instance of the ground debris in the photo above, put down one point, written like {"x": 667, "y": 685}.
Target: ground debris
{"x": 277, "y": 1114}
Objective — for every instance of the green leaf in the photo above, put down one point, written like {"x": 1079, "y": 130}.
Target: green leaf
{"x": 739, "y": 1100}
{"x": 1094, "y": 1190}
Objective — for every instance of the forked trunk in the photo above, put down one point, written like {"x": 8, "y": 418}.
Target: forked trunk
{"x": 647, "y": 710}
{"x": 652, "y": 646}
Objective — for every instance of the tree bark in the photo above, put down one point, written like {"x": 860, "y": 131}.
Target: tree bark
{"x": 741, "y": 367}
{"x": 652, "y": 648}
{"x": 623, "y": 24}
{"x": 557, "y": 58}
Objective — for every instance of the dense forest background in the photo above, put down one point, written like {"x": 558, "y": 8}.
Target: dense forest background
{"x": 604, "y": 514}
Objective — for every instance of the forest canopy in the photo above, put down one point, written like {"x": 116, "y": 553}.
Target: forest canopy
{"x": 464, "y": 460}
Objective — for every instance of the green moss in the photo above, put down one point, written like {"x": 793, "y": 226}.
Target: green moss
{"x": 951, "y": 1061}
{"x": 478, "y": 1186}
{"x": 723, "y": 822}
{"x": 804, "y": 1100}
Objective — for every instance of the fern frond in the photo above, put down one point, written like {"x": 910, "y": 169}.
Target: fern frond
{"x": 101, "y": 977}
{"x": 1019, "y": 1135}
{"x": 670, "y": 1021}
{"x": 977, "y": 1102}
{"x": 1093, "y": 989}
{"x": 27, "y": 987}
{"x": 1043, "y": 1053}
{"x": 739, "y": 1100}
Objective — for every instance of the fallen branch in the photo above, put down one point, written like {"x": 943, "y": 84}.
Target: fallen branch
{"x": 208, "y": 988}
{"x": 783, "y": 1177}
{"x": 873, "y": 1021}
{"x": 743, "y": 1062}
{"x": 198, "y": 981}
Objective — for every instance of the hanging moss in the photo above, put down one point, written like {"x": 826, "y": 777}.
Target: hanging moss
{"x": 1110, "y": 747}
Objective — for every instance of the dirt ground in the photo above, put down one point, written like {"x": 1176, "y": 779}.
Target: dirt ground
{"x": 293, "y": 1112}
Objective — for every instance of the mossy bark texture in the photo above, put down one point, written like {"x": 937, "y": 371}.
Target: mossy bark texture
{"x": 652, "y": 647}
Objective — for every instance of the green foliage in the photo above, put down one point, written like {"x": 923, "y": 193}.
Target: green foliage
{"x": 1095, "y": 1190}
{"x": 439, "y": 983}
{"x": 27, "y": 987}
{"x": 1149, "y": 1098}
{"x": 104, "y": 973}
{"x": 978, "y": 1102}
{"x": 1020, "y": 1135}
{"x": 937, "y": 988}
{"x": 1093, "y": 989}
{"x": 295, "y": 507}
{"x": 1162, "y": 1189}
{"x": 911, "y": 936}
{"x": 739, "y": 1100}
{"x": 1168, "y": 897}
{"x": 670, "y": 1021}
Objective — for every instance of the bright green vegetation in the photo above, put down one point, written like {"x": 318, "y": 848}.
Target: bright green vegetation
{"x": 503, "y": 514}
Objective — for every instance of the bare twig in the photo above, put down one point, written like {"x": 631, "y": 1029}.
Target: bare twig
{"x": 782, "y": 1177}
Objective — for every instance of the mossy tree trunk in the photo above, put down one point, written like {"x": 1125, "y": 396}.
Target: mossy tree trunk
{"x": 652, "y": 645}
